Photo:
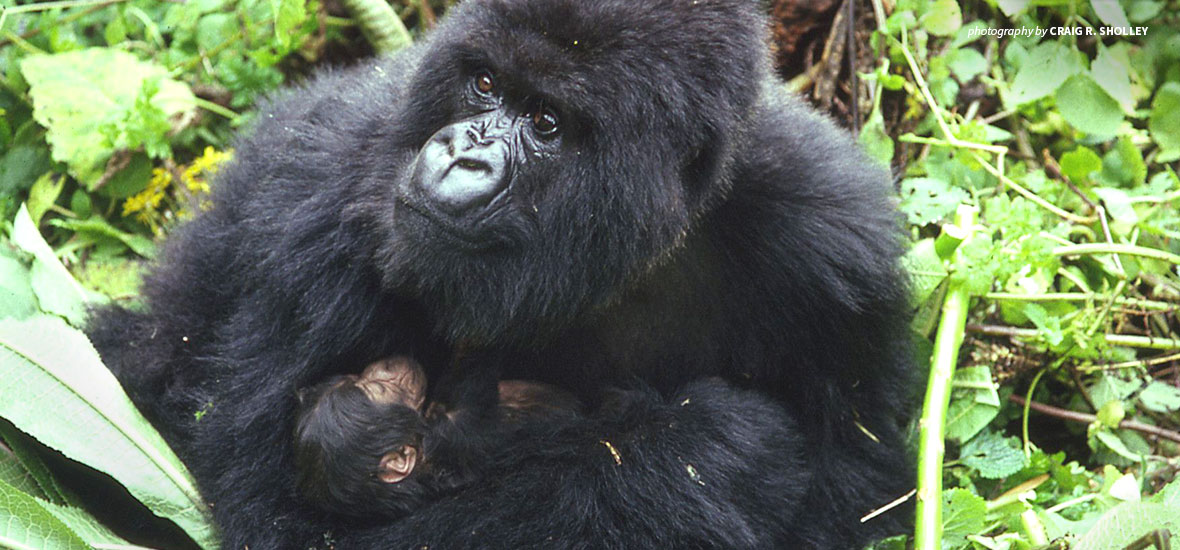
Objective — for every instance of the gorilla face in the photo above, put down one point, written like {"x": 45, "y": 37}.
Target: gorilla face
{"x": 558, "y": 154}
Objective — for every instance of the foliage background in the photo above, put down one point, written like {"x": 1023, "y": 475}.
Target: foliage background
{"x": 1047, "y": 309}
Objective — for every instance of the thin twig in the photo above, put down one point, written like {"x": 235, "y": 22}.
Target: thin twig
{"x": 1085, "y": 418}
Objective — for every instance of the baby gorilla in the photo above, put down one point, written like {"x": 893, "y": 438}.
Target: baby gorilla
{"x": 364, "y": 447}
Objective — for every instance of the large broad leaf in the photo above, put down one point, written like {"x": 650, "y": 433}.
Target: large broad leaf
{"x": 1127, "y": 522}
{"x": 46, "y": 363}
{"x": 74, "y": 93}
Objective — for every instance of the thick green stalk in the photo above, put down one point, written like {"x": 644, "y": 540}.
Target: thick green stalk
{"x": 928, "y": 527}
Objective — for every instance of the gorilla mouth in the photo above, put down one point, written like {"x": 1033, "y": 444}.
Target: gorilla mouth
{"x": 445, "y": 228}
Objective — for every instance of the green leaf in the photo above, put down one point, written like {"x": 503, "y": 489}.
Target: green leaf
{"x": 44, "y": 360}
{"x": 20, "y": 166}
{"x": 1164, "y": 123}
{"x": 966, "y": 63}
{"x": 943, "y": 18}
{"x": 1113, "y": 76}
{"x": 26, "y": 525}
{"x": 1112, "y": 413}
{"x": 30, "y": 461}
{"x": 43, "y": 194}
{"x": 1087, "y": 107}
{"x": 875, "y": 139}
{"x": 97, "y": 226}
{"x": 1112, "y": 441}
{"x": 1123, "y": 165}
{"x": 86, "y": 526}
{"x": 1110, "y": 12}
{"x": 963, "y": 514}
{"x": 1048, "y": 326}
{"x": 56, "y": 290}
{"x": 1120, "y": 209}
{"x": 1160, "y": 397}
{"x": 972, "y": 408}
{"x": 925, "y": 269}
{"x": 1047, "y": 67}
{"x": 1128, "y": 521}
{"x": 927, "y": 200}
{"x": 1012, "y": 7}
{"x": 1079, "y": 164}
{"x": 76, "y": 93}
{"x": 16, "y": 293}
{"x": 993, "y": 455}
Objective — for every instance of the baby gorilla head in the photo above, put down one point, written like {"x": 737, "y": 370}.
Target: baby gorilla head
{"x": 358, "y": 439}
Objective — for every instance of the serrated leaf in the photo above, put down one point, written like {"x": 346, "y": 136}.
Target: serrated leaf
{"x": 1164, "y": 123}
{"x": 22, "y": 447}
{"x": 44, "y": 360}
{"x": 927, "y": 200}
{"x": 15, "y": 474}
{"x": 925, "y": 269}
{"x": 96, "y": 225}
{"x": 993, "y": 455}
{"x": 86, "y": 526}
{"x": 25, "y": 525}
{"x": 1045, "y": 69}
{"x": 16, "y": 293}
{"x": 1160, "y": 397}
{"x": 56, "y": 290}
{"x": 963, "y": 514}
{"x": 1087, "y": 107}
{"x": 76, "y": 92}
{"x": 972, "y": 408}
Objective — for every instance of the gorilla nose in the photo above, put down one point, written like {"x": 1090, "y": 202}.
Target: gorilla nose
{"x": 457, "y": 173}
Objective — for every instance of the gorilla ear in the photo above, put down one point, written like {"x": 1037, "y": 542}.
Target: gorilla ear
{"x": 397, "y": 465}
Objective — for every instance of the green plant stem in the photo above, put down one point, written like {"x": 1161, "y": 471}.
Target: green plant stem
{"x": 1080, "y": 297}
{"x": 931, "y": 448}
{"x": 215, "y": 108}
{"x": 1109, "y": 248}
{"x": 1129, "y": 340}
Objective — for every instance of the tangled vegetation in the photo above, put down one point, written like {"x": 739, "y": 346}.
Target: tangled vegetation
{"x": 1035, "y": 143}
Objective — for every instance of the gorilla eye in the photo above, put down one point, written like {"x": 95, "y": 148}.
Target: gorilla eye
{"x": 545, "y": 121}
{"x": 483, "y": 83}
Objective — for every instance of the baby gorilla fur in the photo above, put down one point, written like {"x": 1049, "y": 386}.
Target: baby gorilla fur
{"x": 588, "y": 193}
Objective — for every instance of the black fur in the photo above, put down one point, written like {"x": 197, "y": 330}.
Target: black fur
{"x": 694, "y": 221}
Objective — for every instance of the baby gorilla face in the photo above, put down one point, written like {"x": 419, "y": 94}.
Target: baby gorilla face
{"x": 359, "y": 436}
{"x": 395, "y": 381}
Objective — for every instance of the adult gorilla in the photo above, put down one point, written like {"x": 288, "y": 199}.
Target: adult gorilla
{"x": 592, "y": 194}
